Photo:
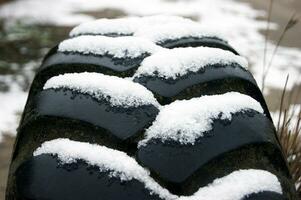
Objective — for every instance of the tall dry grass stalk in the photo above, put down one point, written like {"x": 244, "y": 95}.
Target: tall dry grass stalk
{"x": 292, "y": 21}
{"x": 289, "y": 133}
{"x": 289, "y": 119}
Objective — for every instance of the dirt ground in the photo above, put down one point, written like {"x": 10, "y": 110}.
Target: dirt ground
{"x": 281, "y": 13}
{"x": 5, "y": 154}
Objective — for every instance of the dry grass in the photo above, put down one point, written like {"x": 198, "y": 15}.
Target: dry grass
{"x": 288, "y": 130}
{"x": 292, "y": 21}
{"x": 289, "y": 119}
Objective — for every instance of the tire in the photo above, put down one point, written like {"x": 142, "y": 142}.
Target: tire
{"x": 98, "y": 125}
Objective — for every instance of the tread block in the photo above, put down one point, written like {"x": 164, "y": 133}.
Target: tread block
{"x": 214, "y": 80}
{"x": 123, "y": 123}
{"x": 111, "y": 56}
{"x": 212, "y": 42}
{"x": 43, "y": 177}
{"x": 168, "y": 87}
{"x": 73, "y": 170}
{"x": 162, "y": 30}
{"x": 205, "y": 77}
{"x": 265, "y": 196}
{"x": 91, "y": 103}
{"x": 180, "y": 165}
{"x": 79, "y": 181}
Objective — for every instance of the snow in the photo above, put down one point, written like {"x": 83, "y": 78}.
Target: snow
{"x": 119, "y": 47}
{"x": 234, "y": 186}
{"x": 187, "y": 120}
{"x": 122, "y": 26}
{"x": 102, "y": 86}
{"x": 157, "y": 28}
{"x": 160, "y": 33}
{"x": 11, "y": 107}
{"x": 237, "y": 185}
{"x": 125, "y": 26}
{"x": 118, "y": 163}
{"x": 180, "y": 61}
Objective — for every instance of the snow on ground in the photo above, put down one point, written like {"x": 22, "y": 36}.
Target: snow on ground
{"x": 234, "y": 186}
{"x": 12, "y": 104}
{"x": 236, "y": 21}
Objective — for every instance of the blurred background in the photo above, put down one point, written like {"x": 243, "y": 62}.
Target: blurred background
{"x": 29, "y": 28}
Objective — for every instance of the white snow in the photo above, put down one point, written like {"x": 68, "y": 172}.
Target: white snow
{"x": 12, "y": 102}
{"x": 11, "y": 105}
{"x": 161, "y": 19}
{"x": 180, "y": 61}
{"x": 157, "y": 28}
{"x": 187, "y": 120}
{"x": 234, "y": 186}
{"x": 125, "y": 26}
{"x": 159, "y": 33}
{"x": 102, "y": 86}
{"x": 122, "y": 26}
{"x": 237, "y": 185}
{"x": 119, "y": 47}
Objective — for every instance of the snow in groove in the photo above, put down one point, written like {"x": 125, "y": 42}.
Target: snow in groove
{"x": 103, "y": 86}
{"x": 160, "y": 33}
{"x": 234, "y": 186}
{"x": 178, "y": 62}
{"x": 119, "y": 47}
{"x": 187, "y": 120}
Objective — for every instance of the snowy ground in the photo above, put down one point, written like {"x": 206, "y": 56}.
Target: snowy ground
{"x": 237, "y": 21}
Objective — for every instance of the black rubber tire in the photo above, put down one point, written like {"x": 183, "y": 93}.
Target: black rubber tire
{"x": 50, "y": 114}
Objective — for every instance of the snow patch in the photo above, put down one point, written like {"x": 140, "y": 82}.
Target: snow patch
{"x": 124, "y": 26}
{"x": 180, "y": 61}
{"x": 157, "y": 28}
{"x": 234, "y": 186}
{"x": 102, "y": 86}
{"x": 120, "y": 47}
{"x": 12, "y": 103}
{"x": 160, "y": 33}
{"x": 187, "y": 120}
{"x": 237, "y": 185}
